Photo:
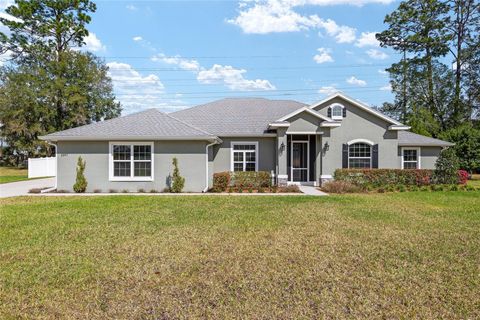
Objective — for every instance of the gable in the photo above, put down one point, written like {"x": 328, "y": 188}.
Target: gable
{"x": 304, "y": 122}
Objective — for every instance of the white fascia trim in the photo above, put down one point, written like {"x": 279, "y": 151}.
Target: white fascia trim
{"x": 399, "y": 128}
{"x": 361, "y": 141}
{"x": 419, "y": 155}
{"x": 305, "y": 132}
{"x": 358, "y": 104}
{"x": 249, "y": 135}
{"x": 305, "y": 109}
{"x": 326, "y": 176}
{"x": 127, "y": 138}
{"x": 132, "y": 167}
{"x": 279, "y": 125}
{"x": 330, "y": 124}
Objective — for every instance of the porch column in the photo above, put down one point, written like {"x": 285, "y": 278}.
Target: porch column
{"x": 318, "y": 159}
{"x": 282, "y": 175}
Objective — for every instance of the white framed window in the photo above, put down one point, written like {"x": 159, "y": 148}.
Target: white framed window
{"x": 360, "y": 155}
{"x": 131, "y": 161}
{"x": 244, "y": 156}
{"x": 411, "y": 158}
{"x": 337, "y": 111}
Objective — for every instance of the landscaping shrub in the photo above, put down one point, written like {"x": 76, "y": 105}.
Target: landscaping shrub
{"x": 384, "y": 177}
{"x": 340, "y": 187}
{"x": 462, "y": 176}
{"x": 178, "y": 181}
{"x": 446, "y": 167}
{"x": 81, "y": 182}
{"x": 97, "y": 191}
{"x": 251, "y": 179}
{"x": 221, "y": 181}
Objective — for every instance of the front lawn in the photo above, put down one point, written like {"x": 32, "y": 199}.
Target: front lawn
{"x": 398, "y": 255}
{"x": 475, "y": 182}
{"x": 9, "y": 174}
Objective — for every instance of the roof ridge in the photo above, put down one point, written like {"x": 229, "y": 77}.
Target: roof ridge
{"x": 185, "y": 123}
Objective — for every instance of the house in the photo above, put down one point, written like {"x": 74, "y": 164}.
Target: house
{"x": 297, "y": 143}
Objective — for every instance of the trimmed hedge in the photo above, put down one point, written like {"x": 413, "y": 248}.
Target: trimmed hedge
{"x": 384, "y": 177}
{"x": 249, "y": 180}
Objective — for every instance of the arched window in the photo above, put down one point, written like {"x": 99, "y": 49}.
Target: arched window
{"x": 360, "y": 155}
{"x": 336, "y": 111}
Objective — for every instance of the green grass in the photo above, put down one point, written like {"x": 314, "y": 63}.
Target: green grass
{"x": 8, "y": 174}
{"x": 399, "y": 255}
{"x": 475, "y": 182}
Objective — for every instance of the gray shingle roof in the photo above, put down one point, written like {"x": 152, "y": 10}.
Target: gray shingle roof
{"x": 150, "y": 123}
{"x": 237, "y": 116}
{"x": 407, "y": 138}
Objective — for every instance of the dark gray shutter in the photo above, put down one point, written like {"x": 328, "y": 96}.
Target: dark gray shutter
{"x": 345, "y": 156}
{"x": 329, "y": 112}
{"x": 344, "y": 112}
{"x": 375, "y": 156}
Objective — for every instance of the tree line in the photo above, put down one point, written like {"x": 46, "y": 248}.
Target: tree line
{"x": 50, "y": 83}
{"x": 436, "y": 83}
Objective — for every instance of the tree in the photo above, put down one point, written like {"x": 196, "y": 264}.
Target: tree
{"x": 80, "y": 182}
{"x": 178, "y": 182}
{"x": 467, "y": 146}
{"x": 50, "y": 85}
{"x": 446, "y": 167}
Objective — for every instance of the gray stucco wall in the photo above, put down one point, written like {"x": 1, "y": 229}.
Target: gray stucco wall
{"x": 358, "y": 124}
{"x": 428, "y": 156}
{"x": 190, "y": 154}
{"x": 220, "y": 157}
{"x": 304, "y": 122}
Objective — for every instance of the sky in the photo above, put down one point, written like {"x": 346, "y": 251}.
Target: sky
{"x": 177, "y": 54}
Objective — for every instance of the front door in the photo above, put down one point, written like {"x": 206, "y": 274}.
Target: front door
{"x": 299, "y": 161}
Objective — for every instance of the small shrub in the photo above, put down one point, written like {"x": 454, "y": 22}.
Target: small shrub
{"x": 250, "y": 189}
{"x": 401, "y": 188}
{"x": 274, "y": 189}
{"x": 462, "y": 176}
{"x": 470, "y": 188}
{"x": 97, "y": 191}
{"x": 178, "y": 181}
{"x": 80, "y": 182}
{"x": 261, "y": 190}
{"x": 230, "y": 189}
{"x": 413, "y": 188}
{"x": 141, "y": 190}
{"x": 437, "y": 187}
{"x": 424, "y": 188}
{"x": 446, "y": 167}
{"x": 340, "y": 187}
{"x": 113, "y": 191}
{"x": 153, "y": 191}
{"x": 251, "y": 179}
{"x": 125, "y": 191}
{"x": 167, "y": 190}
{"x": 221, "y": 181}
{"x": 381, "y": 190}
{"x": 453, "y": 187}
{"x": 390, "y": 188}
{"x": 384, "y": 177}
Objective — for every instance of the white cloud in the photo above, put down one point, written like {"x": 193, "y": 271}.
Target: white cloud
{"x": 134, "y": 91}
{"x": 388, "y": 87}
{"x": 185, "y": 64}
{"x": 342, "y": 34}
{"x": 4, "y": 4}
{"x": 268, "y": 16}
{"x": 7, "y": 16}
{"x": 131, "y": 7}
{"x": 327, "y": 90}
{"x": 357, "y": 82}
{"x": 367, "y": 39}
{"x": 218, "y": 74}
{"x": 137, "y": 38}
{"x": 377, "y": 54}
{"x": 232, "y": 78}
{"x": 4, "y": 57}
{"x": 92, "y": 43}
{"x": 323, "y": 55}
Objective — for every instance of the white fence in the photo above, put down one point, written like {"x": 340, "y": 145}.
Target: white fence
{"x": 42, "y": 167}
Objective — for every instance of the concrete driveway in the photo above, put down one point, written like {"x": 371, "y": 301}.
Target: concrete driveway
{"x": 21, "y": 188}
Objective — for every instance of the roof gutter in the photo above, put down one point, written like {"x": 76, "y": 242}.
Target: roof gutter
{"x": 217, "y": 141}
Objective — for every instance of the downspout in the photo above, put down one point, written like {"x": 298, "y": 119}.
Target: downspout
{"x": 206, "y": 164}
{"x": 56, "y": 168}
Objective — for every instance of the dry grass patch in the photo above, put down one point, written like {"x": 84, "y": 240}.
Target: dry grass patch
{"x": 356, "y": 256}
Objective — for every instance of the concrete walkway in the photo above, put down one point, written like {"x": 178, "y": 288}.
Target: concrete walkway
{"x": 21, "y": 188}
{"x": 312, "y": 191}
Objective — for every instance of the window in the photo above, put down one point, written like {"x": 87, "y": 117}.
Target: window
{"x": 244, "y": 156}
{"x": 410, "y": 158}
{"x": 337, "y": 111}
{"x": 360, "y": 156}
{"x": 131, "y": 161}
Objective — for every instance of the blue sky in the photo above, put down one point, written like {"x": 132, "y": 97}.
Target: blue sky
{"x": 175, "y": 54}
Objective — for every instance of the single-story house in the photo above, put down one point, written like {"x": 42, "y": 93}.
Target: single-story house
{"x": 296, "y": 142}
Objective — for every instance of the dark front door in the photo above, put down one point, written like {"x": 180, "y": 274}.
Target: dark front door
{"x": 300, "y": 161}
